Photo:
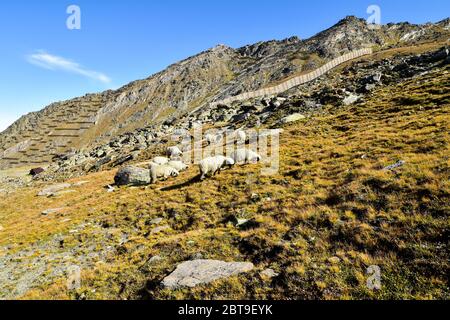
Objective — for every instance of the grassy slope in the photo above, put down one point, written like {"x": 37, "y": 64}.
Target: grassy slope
{"x": 330, "y": 199}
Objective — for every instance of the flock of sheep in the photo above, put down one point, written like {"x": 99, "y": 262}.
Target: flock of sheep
{"x": 171, "y": 165}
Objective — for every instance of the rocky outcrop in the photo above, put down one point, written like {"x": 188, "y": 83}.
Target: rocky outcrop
{"x": 104, "y": 129}
{"x": 197, "y": 272}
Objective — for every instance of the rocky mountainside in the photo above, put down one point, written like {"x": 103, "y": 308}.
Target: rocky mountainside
{"x": 187, "y": 87}
{"x": 363, "y": 182}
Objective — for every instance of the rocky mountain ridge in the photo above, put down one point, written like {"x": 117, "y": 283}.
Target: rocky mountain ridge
{"x": 191, "y": 85}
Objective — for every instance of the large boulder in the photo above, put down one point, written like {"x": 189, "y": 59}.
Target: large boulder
{"x": 197, "y": 272}
{"x": 132, "y": 176}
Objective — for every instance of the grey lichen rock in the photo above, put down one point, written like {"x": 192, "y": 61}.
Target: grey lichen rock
{"x": 132, "y": 176}
{"x": 293, "y": 118}
{"x": 197, "y": 272}
{"x": 53, "y": 189}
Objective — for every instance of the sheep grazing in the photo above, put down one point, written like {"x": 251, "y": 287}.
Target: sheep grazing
{"x": 162, "y": 171}
{"x": 174, "y": 152}
{"x": 160, "y": 160}
{"x": 212, "y": 165}
{"x": 178, "y": 165}
{"x": 245, "y": 156}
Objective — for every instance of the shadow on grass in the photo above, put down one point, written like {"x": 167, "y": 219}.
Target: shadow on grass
{"x": 187, "y": 183}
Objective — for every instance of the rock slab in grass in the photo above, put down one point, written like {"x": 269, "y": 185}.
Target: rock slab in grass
{"x": 53, "y": 189}
{"x": 197, "y": 272}
{"x": 133, "y": 176}
{"x": 293, "y": 118}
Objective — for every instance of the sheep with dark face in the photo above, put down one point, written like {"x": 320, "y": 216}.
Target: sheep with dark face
{"x": 212, "y": 165}
{"x": 174, "y": 152}
{"x": 245, "y": 156}
{"x": 162, "y": 171}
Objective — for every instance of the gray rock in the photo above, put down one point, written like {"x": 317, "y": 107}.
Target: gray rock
{"x": 159, "y": 229}
{"x": 395, "y": 165}
{"x": 53, "y": 189}
{"x": 155, "y": 259}
{"x": 269, "y": 273}
{"x": 197, "y": 272}
{"x": 51, "y": 211}
{"x": 293, "y": 118}
{"x": 132, "y": 176}
{"x": 156, "y": 221}
{"x": 350, "y": 99}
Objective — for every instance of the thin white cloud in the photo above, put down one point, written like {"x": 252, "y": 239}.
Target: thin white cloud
{"x": 51, "y": 62}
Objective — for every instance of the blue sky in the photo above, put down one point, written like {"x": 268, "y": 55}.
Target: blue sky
{"x": 42, "y": 61}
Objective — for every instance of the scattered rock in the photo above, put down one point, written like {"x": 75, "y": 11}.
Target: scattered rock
{"x": 51, "y": 190}
{"x": 241, "y": 222}
{"x": 350, "y": 99}
{"x": 155, "y": 259}
{"x": 197, "y": 256}
{"x": 269, "y": 273}
{"x": 156, "y": 221}
{"x": 255, "y": 197}
{"x": 197, "y": 272}
{"x": 132, "y": 176}
{"x": 334, "y": 260}
{"x": 51, "y": 211}
{"x": 395, "y": 165}
{"x": 293, "y": 118}
{"x": 159, "y": 229}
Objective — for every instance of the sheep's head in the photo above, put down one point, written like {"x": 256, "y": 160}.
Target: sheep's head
{"x": 229, "y": 162}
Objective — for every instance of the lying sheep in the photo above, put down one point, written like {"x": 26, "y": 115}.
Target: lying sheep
{"x": 178, "y": 165}
{"x": 245, "y": 156}
{"x": 174, "y": 152}
{"x": 212, "y": 165}
{"x": 162, "y": 171}
{"x": 160, "y": 160}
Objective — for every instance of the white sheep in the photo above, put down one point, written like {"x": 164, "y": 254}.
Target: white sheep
{"x": 245, "y": 156}
{"x": 241, "y": 136}
{"x": 178, "y": 165}
{"x": 160, "y": 160}
{"x": 174, "y": 152}
{"x": 162, "y": 171}
{"x": 212, "y": 165}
